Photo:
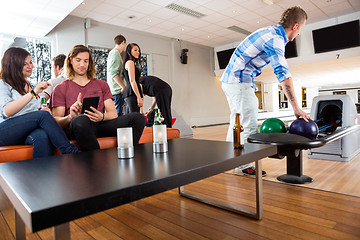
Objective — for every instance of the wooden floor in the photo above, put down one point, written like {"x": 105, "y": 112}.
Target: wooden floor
{"x": 290, "y": 212}
{"x": 334, "y": 176}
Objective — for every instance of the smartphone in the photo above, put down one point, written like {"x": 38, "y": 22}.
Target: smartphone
{"x": 89, "y": 102}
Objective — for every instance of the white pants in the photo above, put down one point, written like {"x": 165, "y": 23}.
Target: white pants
{"x": 242, "y": 99}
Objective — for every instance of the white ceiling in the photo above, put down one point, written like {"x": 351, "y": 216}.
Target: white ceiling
{"x": 211, "y": 30}
{"x": 36, "y": 18}
{"x": 33, "y": 18}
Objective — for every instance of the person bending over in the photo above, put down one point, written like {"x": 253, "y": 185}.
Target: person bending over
{"x": 66, "y": 104}
{"x": 161, "y": 93}
{"x": 264, "y": 46}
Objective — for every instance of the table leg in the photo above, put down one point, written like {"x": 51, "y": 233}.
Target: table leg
{"x": 62, "y": 231}
{"x": 259, "y": 198}
{"x": 294, "y": 166}
{"x": 20, "y": 233}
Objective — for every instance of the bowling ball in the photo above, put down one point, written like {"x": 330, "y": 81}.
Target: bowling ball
{"x": 307, "y": 129}
{"x": 273, "y": 125}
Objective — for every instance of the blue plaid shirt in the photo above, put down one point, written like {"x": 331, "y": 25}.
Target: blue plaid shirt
{"x": 255, "y": 52}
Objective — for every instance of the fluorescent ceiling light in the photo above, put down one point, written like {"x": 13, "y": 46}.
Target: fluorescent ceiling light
{"x": 239, "y": 30}
{"x": 185, "y": 10}
{"x": 268, "y": 2}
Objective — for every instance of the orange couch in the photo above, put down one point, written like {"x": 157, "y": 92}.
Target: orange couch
{"x": 24, "y": 152}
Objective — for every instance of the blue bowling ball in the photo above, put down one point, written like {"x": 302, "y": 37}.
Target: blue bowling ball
{"x": 307, "y": 129}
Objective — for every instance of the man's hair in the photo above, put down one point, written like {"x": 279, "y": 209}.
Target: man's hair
{"x": 292, "y": 16}
{"x": 119, "y": 39}
{"x": 59, "y": 60}
{"x": 72, "y": 54}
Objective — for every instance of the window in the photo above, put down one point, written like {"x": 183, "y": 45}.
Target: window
{"x": 99, "y": 56}
{"x": 41, "y": 57}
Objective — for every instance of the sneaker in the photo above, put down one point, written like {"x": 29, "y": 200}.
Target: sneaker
{"x": 251, "y": 171}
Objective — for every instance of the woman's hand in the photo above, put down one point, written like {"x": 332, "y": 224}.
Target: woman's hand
{"x": 41, "y": 86}
{"x": 46, "y": 109}
{"x": 140, "y": 102}
{"x": 148, "y": 111}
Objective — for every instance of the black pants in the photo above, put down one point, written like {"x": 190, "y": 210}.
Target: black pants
{"x": 131, "y": 105}
{"x": 86, "y": 132}
{"x": 163, "y": 101}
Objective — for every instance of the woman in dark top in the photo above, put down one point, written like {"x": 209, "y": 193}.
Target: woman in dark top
{"x": 161, "y": 93}
{"x": 132, "y": 95}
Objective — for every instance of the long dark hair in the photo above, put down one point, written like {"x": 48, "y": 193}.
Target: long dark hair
{"x": 12, "y": 64}
{"x": 129, "y": 56}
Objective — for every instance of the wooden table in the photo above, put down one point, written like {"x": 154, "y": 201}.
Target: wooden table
{"x": 50, "y": 192}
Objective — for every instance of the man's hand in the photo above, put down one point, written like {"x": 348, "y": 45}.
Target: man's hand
{"x": 300, "y": 113}
{"x": 94, "y": 115}
{"x": 75, "y": 109}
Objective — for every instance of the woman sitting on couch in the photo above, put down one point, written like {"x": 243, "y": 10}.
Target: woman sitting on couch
{"x": 20, "y": 120}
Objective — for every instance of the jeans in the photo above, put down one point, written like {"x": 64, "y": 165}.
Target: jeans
{"x": 86, "y": 132}
{"x": 119, "y": 103}
{"x": 242, "y": 99}
{"x": 37, "y": 128}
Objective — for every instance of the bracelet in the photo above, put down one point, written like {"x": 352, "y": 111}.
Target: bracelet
{"x": 34, "y": 94}
{"x": 103, "y": 117}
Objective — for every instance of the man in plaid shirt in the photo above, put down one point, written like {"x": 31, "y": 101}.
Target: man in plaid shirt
{"x": 264, "y": 46}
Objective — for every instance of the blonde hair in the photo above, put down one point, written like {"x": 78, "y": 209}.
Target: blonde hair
{"x": 72, "y": 54}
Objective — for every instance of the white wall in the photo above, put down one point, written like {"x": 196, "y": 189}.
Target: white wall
{"x": 353, "y": 93}
{"x": 305, "y": 42}
{"x": 197, "y": 94}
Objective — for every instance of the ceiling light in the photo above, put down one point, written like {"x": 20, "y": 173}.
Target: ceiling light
{"x": 239, "y": 30}
{"x": 268, "y": 2}
{"x": 185, "y": 10}
{"x": 150, "y": 21}
{"x": 83, "y": 3}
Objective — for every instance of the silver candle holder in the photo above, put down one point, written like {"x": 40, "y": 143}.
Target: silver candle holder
{"x": 160, "y": 143}
{"x": 125, "y": 143}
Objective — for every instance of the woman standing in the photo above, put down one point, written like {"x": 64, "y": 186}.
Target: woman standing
{"x": 20, "y": 120}
{"x": 132, "y": 95}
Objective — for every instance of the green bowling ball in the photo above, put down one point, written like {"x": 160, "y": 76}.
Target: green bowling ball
{"x": 273, "y": 125}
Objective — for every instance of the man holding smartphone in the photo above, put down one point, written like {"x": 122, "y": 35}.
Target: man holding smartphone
{"x": 67, "y": 100}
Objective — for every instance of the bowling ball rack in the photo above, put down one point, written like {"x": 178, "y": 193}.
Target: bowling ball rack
{"x": 291, "y": 146}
